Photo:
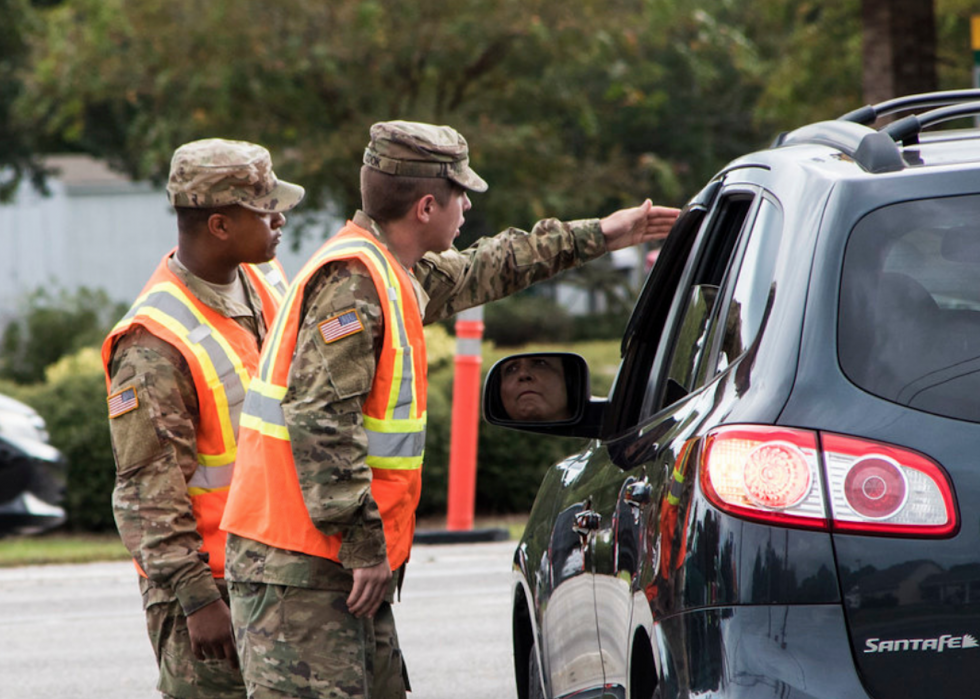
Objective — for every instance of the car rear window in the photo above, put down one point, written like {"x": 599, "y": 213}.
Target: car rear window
{"x": 909, "y": 323}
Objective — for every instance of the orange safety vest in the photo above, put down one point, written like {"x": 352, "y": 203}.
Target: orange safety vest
{"x": 266, "y": 501}
{"x": 222, "y": 356}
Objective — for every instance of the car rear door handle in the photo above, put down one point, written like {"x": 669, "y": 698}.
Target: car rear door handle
{"x": 586, "y": 521}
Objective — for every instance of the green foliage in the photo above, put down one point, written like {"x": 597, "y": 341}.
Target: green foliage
{"x": 526, "y": 317}
{"x": 18, "y": 142}
{"x": 562, "y": 104}
{"x": 571, "y": 109}
{"x": 954, "y": 59}
{"x": 51, "y": 326}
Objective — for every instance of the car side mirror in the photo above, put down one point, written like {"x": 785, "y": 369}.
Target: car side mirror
{"x": 539, "y": 392}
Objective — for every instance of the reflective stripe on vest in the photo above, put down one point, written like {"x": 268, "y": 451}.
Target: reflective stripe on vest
{"x": 265, "y": 502}
{"x": 273, "y": 278}
{"x": 221, "y": 355}
{"x": 395, "y": 442}
{"x": 169, "y": 306}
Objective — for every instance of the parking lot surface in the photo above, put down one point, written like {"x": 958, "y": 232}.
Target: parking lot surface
{"x": 77, "y": 631}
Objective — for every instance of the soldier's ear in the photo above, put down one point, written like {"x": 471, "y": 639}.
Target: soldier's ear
{"x": 219, "y": 226}
{"x": 424, "y": 207}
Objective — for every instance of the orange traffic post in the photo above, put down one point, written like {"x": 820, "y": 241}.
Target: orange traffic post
{"x": 466, "y": 420}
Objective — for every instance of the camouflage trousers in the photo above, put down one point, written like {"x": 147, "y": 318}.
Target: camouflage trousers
{"x": 303, "y": 643}
{"x": 183, "y": 676}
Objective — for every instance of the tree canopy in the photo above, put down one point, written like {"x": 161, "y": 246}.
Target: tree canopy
{"x": 570, "y": 109}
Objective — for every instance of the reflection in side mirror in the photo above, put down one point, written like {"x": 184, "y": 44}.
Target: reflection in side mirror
{"x": 540, "y": 388}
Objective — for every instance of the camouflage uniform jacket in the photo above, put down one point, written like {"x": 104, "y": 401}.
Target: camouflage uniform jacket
{"x": 328, "y": 383}
{"x": 155, "y": 448}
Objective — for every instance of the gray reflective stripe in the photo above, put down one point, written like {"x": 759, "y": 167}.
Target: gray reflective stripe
{"x": 396, "y": 444}
{"x": 264, "y": 408}
{"x": 403, "y": 404}
{"x": 468, "y": 346}
{"x": 200, "y": 334}
{"x": 272, "y": 276}
{"x": 211, "y": 477}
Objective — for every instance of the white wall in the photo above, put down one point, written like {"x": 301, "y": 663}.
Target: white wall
{"x": 107, "y": 236}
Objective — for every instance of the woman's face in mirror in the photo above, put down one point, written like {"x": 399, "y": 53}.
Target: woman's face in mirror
{"x": 533, "y": 389}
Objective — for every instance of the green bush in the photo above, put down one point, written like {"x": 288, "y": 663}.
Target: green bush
{"x": 599, "y": 326}
{"x": 525, "y": 317}
{"x": 54, "y": 325}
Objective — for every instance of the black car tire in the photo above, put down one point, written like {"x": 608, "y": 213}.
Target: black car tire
{"x": 534, "y": 683}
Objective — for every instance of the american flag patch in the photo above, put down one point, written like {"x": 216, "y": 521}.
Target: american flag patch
{"x": 122, "y": 402}
{"x": 347, "y": 323}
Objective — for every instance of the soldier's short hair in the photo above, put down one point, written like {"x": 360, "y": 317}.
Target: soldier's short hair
{"x": 191, "y": 219}
{"x": 387, "y": 198}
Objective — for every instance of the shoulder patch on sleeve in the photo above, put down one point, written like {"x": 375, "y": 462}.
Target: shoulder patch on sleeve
{"x": 340, "y": 325}
{"x": 123, "y": 401}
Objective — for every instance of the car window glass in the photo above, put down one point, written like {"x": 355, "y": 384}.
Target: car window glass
{"x": 687, "y": 341}
{"x": 909, "y": 316}
{"x": 691, "y": 338}
{"x": 752, "y": 295}
{"x": 648, "y": 323}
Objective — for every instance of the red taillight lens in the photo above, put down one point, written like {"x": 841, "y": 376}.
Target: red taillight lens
{"x": 878, "y": 488}
{"x": 774, "y": 475}
{"x": 875, "y": 488}
{"x": 764, "y": 473}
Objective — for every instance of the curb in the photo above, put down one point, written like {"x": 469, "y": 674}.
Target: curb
{"x": 461, "y": 537}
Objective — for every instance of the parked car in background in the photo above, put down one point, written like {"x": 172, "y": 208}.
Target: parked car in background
{"x": 781, "y": 494}
{"x": 32, "y": 472}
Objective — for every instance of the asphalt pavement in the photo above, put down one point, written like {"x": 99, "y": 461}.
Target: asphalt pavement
{"x": 77, "y": 631}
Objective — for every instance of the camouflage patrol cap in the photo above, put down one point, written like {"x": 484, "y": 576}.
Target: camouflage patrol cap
{"x": 216, "y": 172}
{"x": 413, "y": 149}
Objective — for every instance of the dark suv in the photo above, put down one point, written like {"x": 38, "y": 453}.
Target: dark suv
{"x": 781, "y": 494}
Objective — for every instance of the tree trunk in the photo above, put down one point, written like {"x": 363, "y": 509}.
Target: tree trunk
{"x": 899, "y": 48}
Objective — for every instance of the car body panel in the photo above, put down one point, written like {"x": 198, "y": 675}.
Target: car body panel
{"x": 738, "y": 324}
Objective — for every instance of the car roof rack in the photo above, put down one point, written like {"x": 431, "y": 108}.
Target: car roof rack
{"x": 875, "y": 151}
{"x": 868, "y": 114}
{"x": 907, "y": 129}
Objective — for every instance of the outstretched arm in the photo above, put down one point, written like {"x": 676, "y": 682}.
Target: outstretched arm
{"x": 639, "y": 224}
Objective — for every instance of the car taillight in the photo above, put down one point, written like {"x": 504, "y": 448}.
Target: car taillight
{"x": 878, "y": 488}
{"x": 779, "y": 476}
{"x": 764, "y": 473}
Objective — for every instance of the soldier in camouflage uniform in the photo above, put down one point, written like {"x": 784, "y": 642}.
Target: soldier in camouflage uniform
{"x": 314, "y": 626}
{"x": 229, "y": 208}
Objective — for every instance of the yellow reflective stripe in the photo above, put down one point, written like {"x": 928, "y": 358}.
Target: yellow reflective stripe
{"x": 374, "y": 424}
{"x": 275, "y": 338}
{"x": 268, "y": 389}
{"x": 403, "y": 397}
{"x": 400, "y": 340}
{"x": 214, "y": 460}
{"x": 207, "y": 366}
{"x": 272, "y": 278}
{"x": 265, "y": 428}
{"x": 395, "y": 463}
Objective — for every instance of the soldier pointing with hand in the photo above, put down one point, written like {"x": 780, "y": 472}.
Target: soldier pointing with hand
{"x": 322, "y": 508}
